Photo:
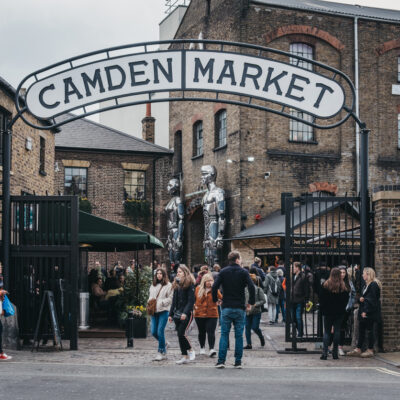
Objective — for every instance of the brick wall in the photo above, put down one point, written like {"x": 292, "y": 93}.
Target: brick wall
{"x": 387, "y": 260}
{"x": 265, "y": 136}
{"x": 105, "y": 192}
{"x": 25, "y": 163}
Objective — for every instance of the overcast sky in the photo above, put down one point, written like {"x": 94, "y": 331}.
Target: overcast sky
{"x": 37, "y": 33}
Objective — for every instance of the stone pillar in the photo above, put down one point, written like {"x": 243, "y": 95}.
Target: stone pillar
{"x": 148, "y": 125}
{"x": 386, "y": 201}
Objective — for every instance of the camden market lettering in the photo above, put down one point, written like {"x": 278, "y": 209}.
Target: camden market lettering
{"x": 167, "y": 71}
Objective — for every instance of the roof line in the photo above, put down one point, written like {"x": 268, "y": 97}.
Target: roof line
{"x": 122, "y": 133}
{"x": 332, "y": 12}
{"x": 100, "y": 150}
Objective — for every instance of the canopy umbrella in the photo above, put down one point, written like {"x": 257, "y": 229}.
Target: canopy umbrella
{"x": 102, "y": 235}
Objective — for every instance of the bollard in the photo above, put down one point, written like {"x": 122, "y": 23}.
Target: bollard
{"x": 129, "y": 330}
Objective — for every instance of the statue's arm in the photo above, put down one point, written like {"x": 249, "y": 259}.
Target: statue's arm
{"x": 221, "y": 210}
{"x": 181, "y": 216}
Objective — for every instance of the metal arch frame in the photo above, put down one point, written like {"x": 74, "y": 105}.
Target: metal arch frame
{"x": 69, "y": 63}
{"x": 22, "y": 108}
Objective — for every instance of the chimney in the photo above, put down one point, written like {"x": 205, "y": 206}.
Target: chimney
{"x": 148, "y": 123}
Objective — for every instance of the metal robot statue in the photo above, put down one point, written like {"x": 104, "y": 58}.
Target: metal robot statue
{"x": 214, "y": 214}
{"x": 175, "y": 214}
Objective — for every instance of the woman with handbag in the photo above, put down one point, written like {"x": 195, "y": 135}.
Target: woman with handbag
{"x": 206, "y": 313}
{"x": 3, "y": 356}
{"x": 160, "y": 298}
{"x": 181, "y": 311}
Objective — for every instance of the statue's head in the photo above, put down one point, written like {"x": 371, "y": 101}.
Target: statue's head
{"x": 208, "y": 174}
{"x": 173, "y": 186}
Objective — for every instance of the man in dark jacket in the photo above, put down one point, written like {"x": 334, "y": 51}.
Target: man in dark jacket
{"x": 300, "y": 295}
{"x": 257, "y": 266}
{"x": 233, "y": 280}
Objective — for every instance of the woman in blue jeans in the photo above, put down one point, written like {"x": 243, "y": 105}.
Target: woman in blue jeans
{"x": 253, "y": 316}
{"x": 161, "y": 290}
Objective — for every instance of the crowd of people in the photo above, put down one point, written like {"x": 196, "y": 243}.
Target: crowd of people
{"x": 237, "y": 295}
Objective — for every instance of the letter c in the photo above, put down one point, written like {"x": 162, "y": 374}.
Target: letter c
{"x": 42, "y": 102}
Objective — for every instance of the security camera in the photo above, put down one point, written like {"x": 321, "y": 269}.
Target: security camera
{"x": 267, "y": 175}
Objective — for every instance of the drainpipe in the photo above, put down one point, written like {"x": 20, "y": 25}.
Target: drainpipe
{"x": 357, "y": 110}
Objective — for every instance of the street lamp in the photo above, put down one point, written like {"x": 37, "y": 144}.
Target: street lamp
{"x": 249, "y": 159}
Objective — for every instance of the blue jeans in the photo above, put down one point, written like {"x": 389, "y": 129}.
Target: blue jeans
{"x": 237, "y": 317}
{"x": 158, "y": 322}
{"x": 297, "y": 311}
{"x": 253, "y": 323}
{"x": 281, "y": 306}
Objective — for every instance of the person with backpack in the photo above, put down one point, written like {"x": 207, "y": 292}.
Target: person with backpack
{"x": 253, "y": 316}
{"x": 281, "y": 298}
{"x": 272, "y": 288}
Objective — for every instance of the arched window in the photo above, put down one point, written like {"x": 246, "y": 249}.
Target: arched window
{"x": 198, "y": 139}
{"x": 220, "y": 128}
{"x": 300, "y": 132}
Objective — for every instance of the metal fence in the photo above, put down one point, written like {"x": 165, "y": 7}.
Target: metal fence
{"x": 45, "y": 256}
{"x": 322, "y": 232}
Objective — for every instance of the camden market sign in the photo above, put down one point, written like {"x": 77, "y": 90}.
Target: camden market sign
{"x": 252, "y": 76}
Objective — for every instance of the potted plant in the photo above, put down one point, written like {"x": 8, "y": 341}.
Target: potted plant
{"x": 137, "y": 210}
{"x": 134, "y": 298}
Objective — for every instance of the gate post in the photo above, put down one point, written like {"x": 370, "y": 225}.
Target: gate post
{"x": 364, "y": 218}
{"x": 6, "y": 220}
{"x": 73, "y": 343}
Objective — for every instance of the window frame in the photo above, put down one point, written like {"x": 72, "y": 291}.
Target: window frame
{"x": 42, "y": 156}
{"x": 298, "y": 130}
{"x": 220, "y": 140}
{"x": 81, "y": 193}
{"x": 198, "y": 137}
{"x": 127, "y": 195}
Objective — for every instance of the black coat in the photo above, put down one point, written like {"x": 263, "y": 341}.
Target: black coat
{"x": 300, "y": 289}
{"x": 332, "y": 303}
{"x": 371, "y": 304}
{"x": 182, "y": 300}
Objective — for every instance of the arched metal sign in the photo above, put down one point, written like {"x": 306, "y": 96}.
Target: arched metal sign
{"x": 218, "y": 71}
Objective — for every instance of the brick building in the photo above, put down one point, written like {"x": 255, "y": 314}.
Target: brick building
{"x": 109, "y": 168}
{"x": 32, "y": 151}
{"x": 288, "y": 156}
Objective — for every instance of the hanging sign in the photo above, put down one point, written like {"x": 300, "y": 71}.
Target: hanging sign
{"x": 188, "y": 72}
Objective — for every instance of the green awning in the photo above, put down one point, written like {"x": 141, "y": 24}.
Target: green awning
{"x": 103, "y": 235}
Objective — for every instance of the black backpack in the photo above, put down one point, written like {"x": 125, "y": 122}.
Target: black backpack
{"x": 275, "y": 286}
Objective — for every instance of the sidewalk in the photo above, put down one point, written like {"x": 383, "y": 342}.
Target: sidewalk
{"x": 105, "y": 352}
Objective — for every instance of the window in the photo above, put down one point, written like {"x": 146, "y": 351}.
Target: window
{"x": 198, "y": 138}
{"x": 398, "y": 131}
{"x": 398, "y": 69}
{"x": 134, "y": 185}
{"x": 300, "y": 132}
{"x": 178, "y": 153}
{"x": 42, "y": 156}
{"x": 220, "y": 128}
{"x": 75, "y": 181}
{"x": 4, "y": 119}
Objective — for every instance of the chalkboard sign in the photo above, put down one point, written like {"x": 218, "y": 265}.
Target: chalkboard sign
{"x": 51, "y": 308}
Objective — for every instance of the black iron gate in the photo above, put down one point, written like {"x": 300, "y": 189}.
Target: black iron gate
{"x": 322, "y": 232}
{"x": 45, "y": 256}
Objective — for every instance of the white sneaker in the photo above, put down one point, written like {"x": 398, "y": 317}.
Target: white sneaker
{"x": 202, "y": 351}
{"x": 213, "y": 353}
{"x": 341, "y": 352}
{"x": 160, "y": 357}
{"x": 192, "y": 355}
{"x": 183, "y": 360}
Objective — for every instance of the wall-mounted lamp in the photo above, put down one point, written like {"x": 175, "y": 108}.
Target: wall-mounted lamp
{"x": 249, "y": 159}
{"x": 56, "y": 167}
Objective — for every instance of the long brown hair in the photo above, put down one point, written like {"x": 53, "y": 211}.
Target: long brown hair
{"x": 187, "y": 280}
{"x": 164, "y": 279}
{"x": 335, "y": 283}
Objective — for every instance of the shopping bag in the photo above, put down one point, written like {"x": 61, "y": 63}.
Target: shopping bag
{"x": 8, "y": 307}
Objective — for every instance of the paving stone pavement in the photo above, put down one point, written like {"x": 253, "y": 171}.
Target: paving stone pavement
{"x": 114, "y": 352}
